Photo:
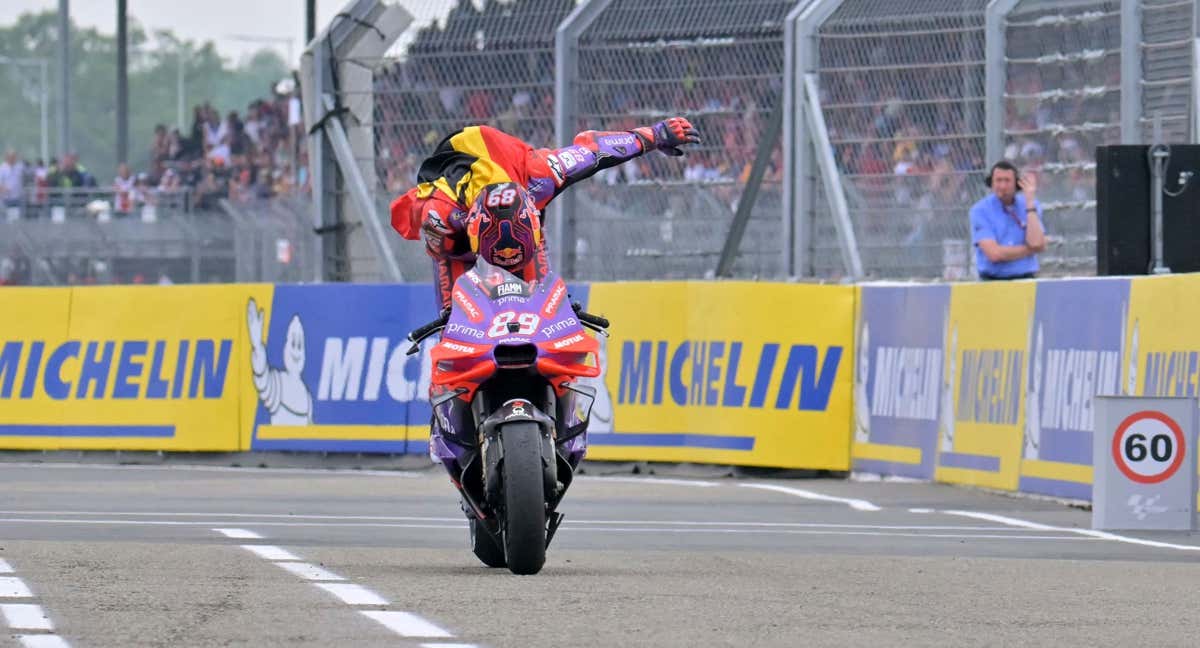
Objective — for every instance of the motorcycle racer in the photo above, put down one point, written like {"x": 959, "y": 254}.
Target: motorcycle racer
{"x": 482, "y": 191}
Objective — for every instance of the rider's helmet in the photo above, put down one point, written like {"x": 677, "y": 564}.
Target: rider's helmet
{"x": 504, "y": 226}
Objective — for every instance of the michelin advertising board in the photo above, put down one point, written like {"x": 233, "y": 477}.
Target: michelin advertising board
{"x": 1021, "y": 365}
{"x": 121, "y": 367}
{"x": 731, "y": 372}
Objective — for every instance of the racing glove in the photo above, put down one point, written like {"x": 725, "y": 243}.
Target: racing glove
{"x": 668, "y": 135}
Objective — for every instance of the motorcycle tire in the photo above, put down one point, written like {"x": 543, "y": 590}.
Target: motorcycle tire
{"x": 524, "y": 497}
{"x": 485, "y": 547}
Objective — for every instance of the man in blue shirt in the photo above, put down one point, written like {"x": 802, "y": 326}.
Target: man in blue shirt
{"x": 1006, "y": 226}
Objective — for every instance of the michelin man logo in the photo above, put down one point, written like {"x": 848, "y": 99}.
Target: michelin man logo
{"x": 862, "y": 406}
{"x": 947, "y": 431}
{"x": 282, "y": 391}
{"x": 1033, "y": 399}
{"x": 601, "y": 419}
{"x": 1132, "y": 371}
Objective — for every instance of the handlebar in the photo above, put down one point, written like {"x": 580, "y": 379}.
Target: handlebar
{"x": 425, "y": 331}
{"x": 588, "y": 318}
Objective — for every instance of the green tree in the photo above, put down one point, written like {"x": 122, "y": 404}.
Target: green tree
{"x": 154, "y": 65}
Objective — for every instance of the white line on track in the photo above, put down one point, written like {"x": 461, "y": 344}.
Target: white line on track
{"x": 268, "y": 552}
{"x": 1090, "y": 533}
{"x": 13, "y": 587}
{"x": 920, "y": 510}
{"x": 404, "y": 474}
{"x": 352, "y": 594}
{"x": 42, "y": 641}
{"x": 309, "y": 571}
{"x": 456, "y": 521}
{"x": 856, "y": 504}
{"x": 406, "y": 624}
{"x": 5, "y": 568}
{"x": 241, "y": 534}
{"x": 25, "y": 616}
{"x": 649, "y": 480}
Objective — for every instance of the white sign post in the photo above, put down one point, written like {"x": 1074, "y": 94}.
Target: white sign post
{"x": 1144, "y": 463}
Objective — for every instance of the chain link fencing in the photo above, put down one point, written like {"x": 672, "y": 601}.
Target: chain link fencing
{"x": 1062, "y": 99}
{"x": 720, "y": 64}
{"x": 458, "y": 64}
{"x": 1167, "y": 50}
{"x": 902, "y": 92}
{"x": 83, "y": 237}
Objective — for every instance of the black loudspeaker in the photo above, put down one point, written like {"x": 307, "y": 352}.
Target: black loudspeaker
{"x": 1123, "y": 184}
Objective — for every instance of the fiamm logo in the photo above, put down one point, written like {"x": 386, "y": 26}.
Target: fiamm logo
{"x": 711, "y": 374}
{"x": 78, "y": 369}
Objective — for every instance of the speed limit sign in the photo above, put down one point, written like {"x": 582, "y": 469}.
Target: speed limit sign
{"x": 1149, "y": 447}
{"x": 1144, "y": 473}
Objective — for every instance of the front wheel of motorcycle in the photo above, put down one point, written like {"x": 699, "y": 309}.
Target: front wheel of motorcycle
{"x": 486, "y": 549}
{"x": 524, "y": 497}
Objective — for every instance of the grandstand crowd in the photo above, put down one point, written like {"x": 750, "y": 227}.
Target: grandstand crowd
{"x": 242, "y": 157}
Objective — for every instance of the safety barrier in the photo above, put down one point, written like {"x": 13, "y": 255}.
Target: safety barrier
{"x": 990, "y": 384}
{"x": 993, "y": 384}
{"x": 700, "y": 371}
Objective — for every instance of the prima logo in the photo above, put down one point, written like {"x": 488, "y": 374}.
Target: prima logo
{"x": 559, "y": 327}
{"x": 468, "y": 331}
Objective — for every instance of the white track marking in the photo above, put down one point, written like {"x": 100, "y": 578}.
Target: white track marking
{"x": 856, "y": 504}
{"x": 13, "y": 587}
{"x": 24, "y": 616}
{"x": 43, "y": 641}
{"x": 404, "y": 474}
{"x": 5, "y": 568}
{"x": 352, "y": 594}
{"x": 309, "y": 571}
{"x": 287, "y": 516}
{"x": 407, "y": 624}
{"x": 1090, "y": 533}
{"x": 241, "y": 534}
{"x": 649, "y": 480}
{"x": 990, "y": 517}
{"x": 268, "y": 552}
{"x": 920, "y": 510}
{"x": 457, "y": 522}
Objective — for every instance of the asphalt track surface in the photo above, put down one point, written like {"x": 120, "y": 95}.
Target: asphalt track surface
{"x": 176, "y": 556}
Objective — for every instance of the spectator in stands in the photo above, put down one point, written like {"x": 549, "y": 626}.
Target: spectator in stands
{"x": 123, "y": 191}
{"x": 12, "y": 180}
{"x": 160, "y": 148}
{"x": 69, "y": 175}
{"x": 1006, "y": 226}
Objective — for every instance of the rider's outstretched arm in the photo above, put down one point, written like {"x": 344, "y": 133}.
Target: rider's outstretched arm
{"x": 553, "y": 170}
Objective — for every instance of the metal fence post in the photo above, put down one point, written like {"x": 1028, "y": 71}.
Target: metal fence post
{"x": 1131, "y": 72}
{"x": 802, "y": 209}
{"x": 566, "y": 122}
{"x": 995, "y": 75}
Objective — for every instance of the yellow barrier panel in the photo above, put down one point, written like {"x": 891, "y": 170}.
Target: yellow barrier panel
{"x": 123, "y": 368}
{"x": 731, "y": 372}
{"x": 985, "y": 357}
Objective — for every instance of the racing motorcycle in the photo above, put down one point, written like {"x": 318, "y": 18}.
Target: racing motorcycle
{"x": 509, "y": 414}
